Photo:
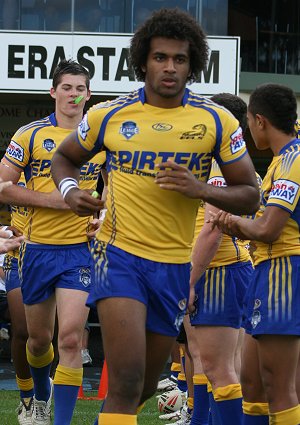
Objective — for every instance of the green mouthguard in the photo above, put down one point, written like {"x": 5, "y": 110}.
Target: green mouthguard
{"x": 78, "y": 99}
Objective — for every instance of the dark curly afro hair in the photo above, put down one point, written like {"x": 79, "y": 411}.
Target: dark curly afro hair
{"x": 174, "y": 24}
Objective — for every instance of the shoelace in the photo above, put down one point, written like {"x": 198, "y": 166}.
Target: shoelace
{"x": 40, "y": 411}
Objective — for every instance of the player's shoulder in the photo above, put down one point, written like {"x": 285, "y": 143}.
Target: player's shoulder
{"x": 203, "y": 102}
{"x": 118, "y": 103}
{"x": 29, "y": 128}
{"x": 291, "y": 152}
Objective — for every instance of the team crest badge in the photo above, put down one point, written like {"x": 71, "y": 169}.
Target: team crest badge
{"x": 129, "y": 129}
{"x": 49, "y": 145}
{"x": 85, "y": 276}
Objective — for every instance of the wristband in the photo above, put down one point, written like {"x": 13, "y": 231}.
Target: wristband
{"x": 66, "y": 185}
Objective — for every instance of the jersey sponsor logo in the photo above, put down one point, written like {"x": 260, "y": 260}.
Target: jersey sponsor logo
{"x": 198, "y": 132}
{"x": 85, "y": 276}
{"x": 160, "y": 126}
{"x": 237, "y": 141}
{"x": 284, "y": 190}
{"x": 217, "y": 181}
{"x": 83, "y": 128}
{"x": 140, "y": 160}
{"x": 129, "y": 129}
{"x": 49, "y": 145}
{"x": 15, "y": 151}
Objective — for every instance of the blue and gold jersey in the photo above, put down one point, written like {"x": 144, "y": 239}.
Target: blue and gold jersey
{"x": 142, "y": 218}
{"x": 231, "y": 249}
{"x": 281, "y": 188}
{"x": 31, "y": 149}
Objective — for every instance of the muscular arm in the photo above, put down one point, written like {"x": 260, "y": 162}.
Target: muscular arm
{"x": 206, "y": 246}
{"x": 66, "y": 162}
{"x": 21, "y": 196}
{"x": 241, "y": 196}
{"x": 266, "y": 228}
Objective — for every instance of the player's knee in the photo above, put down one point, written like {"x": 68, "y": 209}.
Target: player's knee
{"x": 39, "y": 342}
{"x": 127, "y": 384}
{"x": 69, "y": 341}
{"x": 20, "y": 334}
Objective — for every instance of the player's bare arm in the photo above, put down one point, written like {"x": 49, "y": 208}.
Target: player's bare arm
{"x": 241, "y": 196}
{"x": 266, "y": 228}
{"x": 21, "y": 196}
{"x": 66, "y": 164}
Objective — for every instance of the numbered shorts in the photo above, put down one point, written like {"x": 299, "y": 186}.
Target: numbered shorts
{"x": 162, "y": 287}
{"x": 273, "y": 298}
{"x": 43, "y": 268}
{"x": 220, "y": 294}
{"x": 10, "y": 268}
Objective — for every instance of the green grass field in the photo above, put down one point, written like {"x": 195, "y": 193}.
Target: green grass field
{"x": 85, "y": 410}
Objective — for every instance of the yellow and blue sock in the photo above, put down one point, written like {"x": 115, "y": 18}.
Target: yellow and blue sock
{"x": 255, "y": 413}
{"x": 229, "y": 402}
{"x": 175, "y": 369}
{"x": 67, "y": 381}
{"x": 26, "y": 387}
{"x": 181, "y": 382}
{"x": 214, "y": 414}
{"x": 201, "y": 400}
{"x": 40, "y": 370}
{"x": 286, "y": 417}
{"x": 116, "y": 419}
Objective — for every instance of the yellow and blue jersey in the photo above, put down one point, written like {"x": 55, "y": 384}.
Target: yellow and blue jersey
{"x": 31, "y": 149}
{"x": 281, "y": 188}
{"x": 143, "y": 219}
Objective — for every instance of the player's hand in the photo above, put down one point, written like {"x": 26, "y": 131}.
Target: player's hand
{"x": 172, "y": 176}
{"x": 93, "y": 227}
{"x": 226, "y": 222}
{"x": 82, "y": 202}
{"x": 192, "y": 299}
{"x": 10, "y": 244}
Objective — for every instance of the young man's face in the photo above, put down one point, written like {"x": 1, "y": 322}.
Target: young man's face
{"x": 167, "y": 71}
{"x": 70, "y": 87}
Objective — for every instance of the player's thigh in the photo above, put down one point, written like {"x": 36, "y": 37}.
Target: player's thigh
{"x": 72, "y": 311}
{"x": 40, "y": 320}
{"x": 279, "y": 355}
{"x": 17, "y": 311}
{"x": 218, "y": 343}
{"x": 122, "y": 322}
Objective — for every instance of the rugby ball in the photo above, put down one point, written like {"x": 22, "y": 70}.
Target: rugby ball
{"x": 170, "y": 401}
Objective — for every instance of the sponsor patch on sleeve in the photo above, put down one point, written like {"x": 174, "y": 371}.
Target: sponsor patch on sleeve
{"x": 83, "y": 127}
{"x": 237, "y": 141}
{"x": 217, "y": 181}
{"x": 15, "y": 151}
{"x": 284, "y": 190}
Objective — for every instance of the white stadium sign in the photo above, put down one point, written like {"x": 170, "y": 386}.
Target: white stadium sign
{"x": 29, "y": 58}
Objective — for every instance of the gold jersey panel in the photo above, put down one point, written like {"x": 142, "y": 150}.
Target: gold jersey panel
{"x": 142, "y": 218}
{"x": 32, "y": 149}
{"x": 231, "y": 249}
{"x": 281, "y": 188}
